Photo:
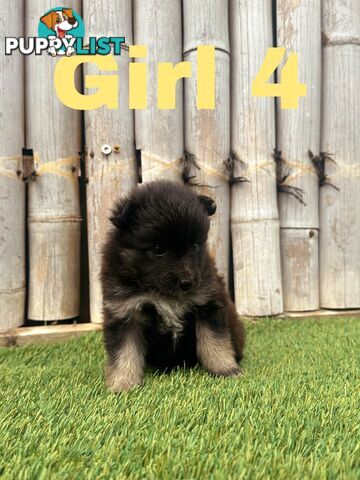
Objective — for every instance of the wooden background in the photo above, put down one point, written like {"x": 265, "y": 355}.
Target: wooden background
{"x": 277, "y": 254}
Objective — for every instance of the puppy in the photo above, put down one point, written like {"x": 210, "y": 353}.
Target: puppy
{"x": 60, "y": 21}
{"x": 164, "y": 302}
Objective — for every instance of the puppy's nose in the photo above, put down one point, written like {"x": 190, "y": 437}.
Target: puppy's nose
{"x": 185, "y": 285}
{"x": 72, "y": 20}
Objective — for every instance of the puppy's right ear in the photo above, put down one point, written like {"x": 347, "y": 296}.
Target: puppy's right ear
{"x": 48, "y": 20}
{"x": 123, "y": 215}
{"x": 208, "y": 203}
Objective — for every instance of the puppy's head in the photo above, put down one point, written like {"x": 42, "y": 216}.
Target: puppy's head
{"x": 161, "y": 230}
{"x": 61, "y": 21}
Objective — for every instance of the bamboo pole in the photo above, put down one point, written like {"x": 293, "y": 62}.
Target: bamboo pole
{"x": 254, "y": 213}
{"x": 207, "y": 132}
{"x": 298, "y": 30}
{"x": 159, "y": 133}
{"x": 53, "y": 131}
{"x": 340, "y": 214}
{"x": 108, "y": 174}
{"x": 12, "y": 190}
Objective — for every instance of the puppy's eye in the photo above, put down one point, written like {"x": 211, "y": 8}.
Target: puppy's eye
{"x": 196, "y": 246}
{"x": 58, "y": 19}
{"x": 158, "y": 250}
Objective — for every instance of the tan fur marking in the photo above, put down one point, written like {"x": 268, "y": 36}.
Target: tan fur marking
{"x": 216, "y": 354}
{"x": 49, "y": 20}
{"x": 171, "y": 310}
{"x": 128, "y": 369}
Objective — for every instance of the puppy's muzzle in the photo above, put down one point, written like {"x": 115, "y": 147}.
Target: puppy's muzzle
{"x": 72, "y": 21}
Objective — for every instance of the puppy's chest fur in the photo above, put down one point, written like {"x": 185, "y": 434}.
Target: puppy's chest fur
{"x": 172, "y": 312}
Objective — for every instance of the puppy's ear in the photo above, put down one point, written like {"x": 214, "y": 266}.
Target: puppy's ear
{"x": 123, "y": 215}
{"x": 48, "y": 20}
{"x": 208, "y": 203}
{"x": 68, "y": 12}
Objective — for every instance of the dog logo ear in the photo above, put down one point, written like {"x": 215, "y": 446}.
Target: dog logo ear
{"x": 68, "y": 12}
{"x": 208, "y": 203}
{"x": 48, "y": 20}
{"x": 123, "y": 215}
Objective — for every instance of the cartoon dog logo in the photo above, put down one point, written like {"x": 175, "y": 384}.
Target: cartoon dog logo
{"x": 61, "y": 22}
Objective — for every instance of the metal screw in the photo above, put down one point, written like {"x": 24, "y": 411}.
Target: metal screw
{"x": 106, "y": 149}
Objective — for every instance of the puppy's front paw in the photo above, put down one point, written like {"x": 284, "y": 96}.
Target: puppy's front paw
{"x": 229, "y": 372}
{"x": 70, "y": 51}
{"x": 222, "y": 365}
{"x": 120, "y": 380}
{"x": 226, "y": 368}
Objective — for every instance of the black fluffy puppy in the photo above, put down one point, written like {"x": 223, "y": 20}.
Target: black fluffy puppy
{"x": 164, "y": 302}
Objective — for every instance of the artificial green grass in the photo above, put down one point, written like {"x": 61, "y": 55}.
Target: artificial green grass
{"x": 294, "y": 414}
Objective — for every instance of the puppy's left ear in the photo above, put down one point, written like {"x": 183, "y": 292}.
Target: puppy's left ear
{"x": 123, "y": 216}
{"x": 208, "y": 203}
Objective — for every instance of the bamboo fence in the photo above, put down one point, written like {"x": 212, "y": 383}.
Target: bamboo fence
{"x": 110, "y": 148}
{"x": 207, "y": 132}
{"x": 254, "y": 213}
{"x": 298, "y": 133}
{"x": 12, "y": 189}
{"x": 285, "y": 235}
{"x": 340, "y": 140}
{"x": 53, "y": 131}
{"x": 157, "y": 25}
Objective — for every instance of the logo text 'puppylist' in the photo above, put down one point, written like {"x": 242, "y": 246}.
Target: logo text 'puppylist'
{"x": 61, "y": 31}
